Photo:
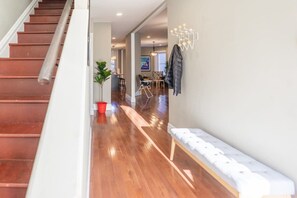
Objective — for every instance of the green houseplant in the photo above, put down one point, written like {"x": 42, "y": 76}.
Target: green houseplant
{"x": 102, "y": 75}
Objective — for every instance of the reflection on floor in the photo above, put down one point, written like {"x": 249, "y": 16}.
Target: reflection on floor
{"x": 130, "y": 154}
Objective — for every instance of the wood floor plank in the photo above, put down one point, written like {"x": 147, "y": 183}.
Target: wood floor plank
{"x": 130, "y": 155}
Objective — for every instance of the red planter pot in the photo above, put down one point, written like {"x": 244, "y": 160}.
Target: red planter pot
{"x": 101, "y": 107}
{"x": 101, "y": 118}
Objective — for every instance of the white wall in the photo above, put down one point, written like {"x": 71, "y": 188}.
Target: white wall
{"x": 102, "y": 52}
{"x": 10, "y": 11}
{"x": 239, "y": 83}
{"x": 128, "y": 63}
{"x": 137, "y": 60}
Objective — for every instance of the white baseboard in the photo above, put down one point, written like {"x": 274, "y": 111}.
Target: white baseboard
{"x": 138, "y": 93}
{"x": 169, "y": 127}
{"x": 128, "y": 97}
{"x": 108, "y": 107}
{"x": 11, "y": 35}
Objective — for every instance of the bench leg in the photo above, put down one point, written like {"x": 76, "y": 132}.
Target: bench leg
{"x": 172, "y": 149}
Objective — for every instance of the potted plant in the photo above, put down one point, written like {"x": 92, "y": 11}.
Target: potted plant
{"x": 102, "y": 75}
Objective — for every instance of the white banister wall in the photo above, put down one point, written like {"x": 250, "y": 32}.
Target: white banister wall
{"x": 81, "y": 4}
{"x": 61, "y": 167}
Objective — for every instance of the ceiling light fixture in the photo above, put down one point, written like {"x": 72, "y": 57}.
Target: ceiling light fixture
{"x": 153, "y": 53}
{"x": 148, "y": 37}
{"x": 119, "y": 14}
{"x": 113, "y": 38}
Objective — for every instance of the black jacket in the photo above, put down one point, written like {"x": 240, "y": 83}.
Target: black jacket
{"x": 175, "y": 70}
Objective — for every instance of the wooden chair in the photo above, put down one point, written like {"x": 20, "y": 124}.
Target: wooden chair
{"x": 145, "y": 86}
{"x": 157, "y": 79}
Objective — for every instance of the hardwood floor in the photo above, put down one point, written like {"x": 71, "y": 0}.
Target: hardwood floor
{"x": 130, "y": 155}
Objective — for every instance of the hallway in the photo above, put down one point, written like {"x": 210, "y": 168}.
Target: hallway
{"x": 130, "y": 155}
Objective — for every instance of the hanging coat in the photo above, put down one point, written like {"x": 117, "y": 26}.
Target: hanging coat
{"x": 175, "y": 70}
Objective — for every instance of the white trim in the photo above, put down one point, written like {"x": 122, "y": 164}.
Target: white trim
{"x": 169, "y": 127}
{"x": 138, "y": 93}
{"x": 89, "y": 162}
{"x": 133, "y": 68}
{"x": 122, "y": 61}
{"x": 95, "y": 107}
{"x": 11, "y": 35}
{"x": 128, "y": 97}
{"x": 108, "y": 107}
{"x": 91, "y": 67}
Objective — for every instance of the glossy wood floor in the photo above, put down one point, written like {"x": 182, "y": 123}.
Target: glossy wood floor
{"x": 130, "y": 155}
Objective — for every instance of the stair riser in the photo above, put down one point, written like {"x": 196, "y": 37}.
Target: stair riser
{"x": 54, "y": 1}
{"x": 18, "y": 148}
{"x": 22, "y": 113}
{"x": 13, "y": 192}
{"x": 48, "y": 11}
{"x": 24, "y": 87}
{"x": 48, "y": 1}
{"x": 29, "y": 51}
{"x": 36, "y": 38}
{"x": 44, "y": 19}
{"x": 51, "y": 5}
{"x": 41, "y": 27}
{"x": 21, "y": 67}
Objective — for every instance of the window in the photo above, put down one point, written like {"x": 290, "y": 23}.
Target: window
{"x": 162, "y": 62}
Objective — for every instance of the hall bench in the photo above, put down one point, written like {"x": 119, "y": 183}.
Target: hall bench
{"x": 240, "y": 174}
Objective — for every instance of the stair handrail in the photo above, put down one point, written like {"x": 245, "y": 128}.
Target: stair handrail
{"x": 51, "y": 57}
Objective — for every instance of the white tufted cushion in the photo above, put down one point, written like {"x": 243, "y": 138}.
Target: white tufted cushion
{"x": 250, "y": 177}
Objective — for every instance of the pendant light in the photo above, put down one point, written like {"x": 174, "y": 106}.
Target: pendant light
{"x": 153, "y": 53}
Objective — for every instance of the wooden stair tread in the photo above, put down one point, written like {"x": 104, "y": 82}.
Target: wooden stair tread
{"x": 43, "y": 15}
{"x": 20, "y": 77}
{"x": 52, "y": 3}
{"x": 29, "y": 44}
{"x": 20, "y": 59}
{"x": 15, "y": 173}
{"x": 21, "y": 129}
{"x": 37, "y": 32}
{"x": 56, "y": 6}
{"x": 24, "y": 59}
{"x": 38, "y": 23}
{"x": 17, "y": 77}
{"x": 24, "y": 99}
{"x": 43, "y": 8}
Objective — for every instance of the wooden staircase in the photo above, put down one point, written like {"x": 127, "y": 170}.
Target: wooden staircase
{"x": 23, "y": 102}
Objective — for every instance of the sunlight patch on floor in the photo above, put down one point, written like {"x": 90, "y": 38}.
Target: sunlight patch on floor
{"x": 139, "y": 122}
{"x": 112, "y": 152}
{"x": 134, "y": 116}
{"x": 189, "y": 174}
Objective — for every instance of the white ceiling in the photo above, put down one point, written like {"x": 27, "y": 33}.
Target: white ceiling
{"x": 156, "y": 28}
{"x": 134, "y": 12}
